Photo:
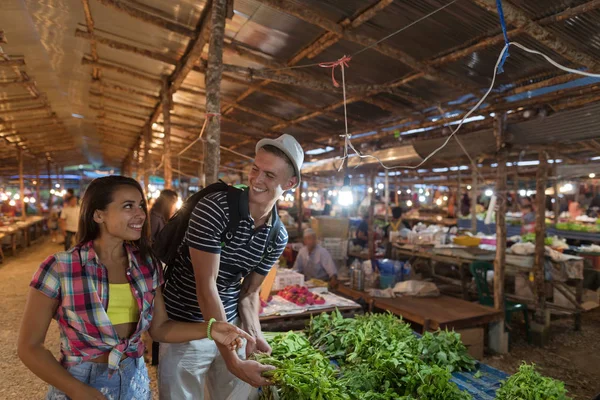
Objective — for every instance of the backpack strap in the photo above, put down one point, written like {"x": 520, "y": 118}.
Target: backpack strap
{"x": 273, "y": 234}
{"x": 237, "y": 201}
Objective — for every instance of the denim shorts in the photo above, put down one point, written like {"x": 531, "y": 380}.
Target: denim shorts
{"x": 130, "y": 382}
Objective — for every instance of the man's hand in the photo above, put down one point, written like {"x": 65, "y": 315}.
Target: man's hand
{"x": 260, "y": 345}
{"x": 333, "y": 282}
{"x": 251, "y": 372}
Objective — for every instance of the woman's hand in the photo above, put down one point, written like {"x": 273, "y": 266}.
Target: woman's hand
{"x": 85, "y": 392}
{"x": 229, "y": 335}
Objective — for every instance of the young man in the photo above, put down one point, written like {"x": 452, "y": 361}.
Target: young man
{"x": 69, "y": 220}
{"x": 206, "y": 282}
{"x": 315, "y": 261}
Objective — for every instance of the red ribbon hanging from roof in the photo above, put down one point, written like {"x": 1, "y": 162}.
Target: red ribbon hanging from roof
{"x": 343, "y": 62}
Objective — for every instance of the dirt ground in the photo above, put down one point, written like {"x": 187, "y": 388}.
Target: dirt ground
{"x": 573, "y": 357}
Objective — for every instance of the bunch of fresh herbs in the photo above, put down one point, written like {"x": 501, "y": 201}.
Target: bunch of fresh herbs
{"x": 528, "y": 384}
{"x": 445, "y": 349}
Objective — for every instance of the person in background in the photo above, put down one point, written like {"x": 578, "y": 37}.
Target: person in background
{"x": 362, "y": 233}
{"x": 397, "y": 223}
{"x": 53, "y": 224}
{"x": 101, "y": 350}
{"x": 528, "y": 219}
{"x": 69, "y": 219}
{"x": 314, "y": 261}
{"x": 465, "y": 205}
{"x": 575, "y": 210}
{"x": 162, "y": 210}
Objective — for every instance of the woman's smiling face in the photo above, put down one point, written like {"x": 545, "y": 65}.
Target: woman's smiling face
{"x": 124, "y": 217}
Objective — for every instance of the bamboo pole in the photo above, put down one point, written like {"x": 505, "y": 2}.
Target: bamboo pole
{"x": 458, "y": 194}
{"x": 38, "y": 199}
{"x": 50, "y": 197}
{"x": 540, "y": 234}
{"x": 147, "y": 161}
{"x": 214, "y": 72}
{"x": 167, "y": 98}
{"x": 299, "y": 202}
{"x": 556, "y": 198}
{"x": 474, "y": 189}
{"x": 21, "y": 184}
{"x": 501, "y": 196}
{"x": 386, "y": 195}
{"x": 372, "y": 217}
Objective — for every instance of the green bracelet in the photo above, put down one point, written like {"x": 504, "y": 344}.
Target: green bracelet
{"x": 208, "y": 335}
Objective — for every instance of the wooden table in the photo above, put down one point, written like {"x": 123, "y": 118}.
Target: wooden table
{"x": 431, "y": 312}
{"x": 284, "y": 323}
{"x": 28, "y": 237}
{"x": 515, "y": 265}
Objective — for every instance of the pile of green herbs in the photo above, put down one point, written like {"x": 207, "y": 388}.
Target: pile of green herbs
{"x": 528, "y": 384}
{"x": 377, "y": 358}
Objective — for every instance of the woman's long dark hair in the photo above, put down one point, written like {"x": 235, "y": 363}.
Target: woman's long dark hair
{"x": 97, "y": 196}
{"x": 164, "y": 203}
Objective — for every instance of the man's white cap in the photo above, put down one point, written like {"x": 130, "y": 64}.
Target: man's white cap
{"x": 309, "y": 232}
{"x": 290, "y": 147}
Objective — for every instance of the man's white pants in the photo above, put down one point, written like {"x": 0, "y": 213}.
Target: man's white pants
{"x": 185, "y": 369}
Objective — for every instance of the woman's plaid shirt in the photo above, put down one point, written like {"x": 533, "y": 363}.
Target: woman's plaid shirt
{"x": 78, "y": 280}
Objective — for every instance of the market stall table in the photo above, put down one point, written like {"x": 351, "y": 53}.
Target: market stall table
{"x": 462, "y": 257}
{"x": 432, "y": 313}
{"x": 282, "y": 315}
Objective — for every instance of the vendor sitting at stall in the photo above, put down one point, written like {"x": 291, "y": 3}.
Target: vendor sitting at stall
{"x": 362, "y": 232}
{"x": 314, "y": 261}
{"x": 397, "y": 223}
{"x": 528, "y": 219}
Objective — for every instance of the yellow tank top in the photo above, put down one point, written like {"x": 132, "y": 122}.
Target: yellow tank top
{"x": 122, "y": 306}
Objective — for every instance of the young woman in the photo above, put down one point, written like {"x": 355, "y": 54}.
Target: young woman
{"x": 162, "y": 210}
{"x": 104, "y": 293}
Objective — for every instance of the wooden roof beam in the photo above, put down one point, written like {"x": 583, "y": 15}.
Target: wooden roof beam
{"x": 149, "y": 18}
{"x": 518, "y": 18}
{"x": 89, "y": 22}
{"x": 306, "y": 14}
{"x": 25, "y": 110}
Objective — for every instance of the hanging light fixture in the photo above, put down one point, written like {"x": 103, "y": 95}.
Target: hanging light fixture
{"x": 345, "y": 197}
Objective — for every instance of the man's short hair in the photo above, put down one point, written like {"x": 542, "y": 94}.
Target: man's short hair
{"x": 396, "y": 212}
{"x": 274, "y": 150}
{"x": 309, "y": 232}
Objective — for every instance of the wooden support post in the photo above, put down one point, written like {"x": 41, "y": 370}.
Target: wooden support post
{"x": 300, "y": 206}
{"x": 50, "y": 196}
{"x": 556, "y": 198}
{"x": 38, "y": 199}
{"x": 501, "y": 199}
{"x": 372, "y": 216}
{"x": 540, "y": 234}
{"x": 21, "y": 183}
{"x": 167, "y": 101}
{"x": 147, "y": 163}
{"x": 397, "y": 187}
{"x": 386, "y": 195}
{"x": 516, "y": 203}
{"x": 474, "y": 188}
{"x": 141, "y": 173}
{"x": 459, "y": 194}
{"x": 214, "y": 72}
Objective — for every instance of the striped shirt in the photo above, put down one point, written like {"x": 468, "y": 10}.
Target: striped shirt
{"x": 241, "y": 256}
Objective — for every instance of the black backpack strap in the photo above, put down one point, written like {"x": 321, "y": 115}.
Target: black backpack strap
{"x": 273, "y": 234}
{"x": 237, "y": 201}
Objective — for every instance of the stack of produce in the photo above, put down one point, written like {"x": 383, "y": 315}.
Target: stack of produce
{"x": 379, "y": 358}
{"x": 300, "y": 295}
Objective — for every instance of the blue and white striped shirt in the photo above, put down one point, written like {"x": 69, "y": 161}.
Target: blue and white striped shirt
{"x": 242, "y": 255}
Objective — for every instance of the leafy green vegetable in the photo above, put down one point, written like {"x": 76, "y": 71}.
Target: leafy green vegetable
{"x": 477, "y": 375}
{"x": 528, "y": 384}
{"x": 445, "y": 349}
{"x": 302, "y": 372}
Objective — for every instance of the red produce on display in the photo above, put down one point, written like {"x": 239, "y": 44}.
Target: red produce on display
{"x": 301, "y": 296}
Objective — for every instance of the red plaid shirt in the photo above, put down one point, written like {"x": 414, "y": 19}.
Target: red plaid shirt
{"x": 78, "y": 280}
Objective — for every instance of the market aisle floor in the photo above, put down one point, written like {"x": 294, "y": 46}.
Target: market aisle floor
{"x": 16, "y": 381}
